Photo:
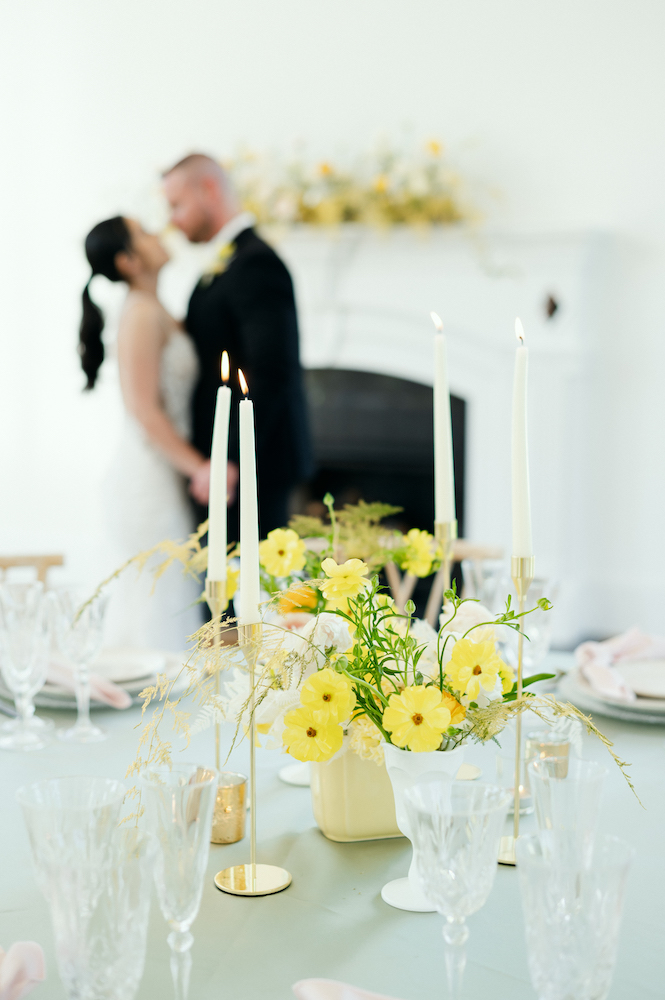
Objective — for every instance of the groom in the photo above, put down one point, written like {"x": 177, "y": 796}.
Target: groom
{"x": 243, "y": 304}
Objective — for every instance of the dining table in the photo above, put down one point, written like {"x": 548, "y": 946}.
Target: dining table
{"x": 331, "y": 922}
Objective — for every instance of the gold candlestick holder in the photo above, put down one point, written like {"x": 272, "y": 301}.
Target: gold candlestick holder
{"x": 522, "y": 570}
{"x": 445, "y": 532}
{"x": 252, "y": 879}
{"x": 217, "y": 601}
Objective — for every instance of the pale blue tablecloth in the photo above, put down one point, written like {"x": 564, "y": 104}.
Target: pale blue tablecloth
{"x": 332, "y": 922}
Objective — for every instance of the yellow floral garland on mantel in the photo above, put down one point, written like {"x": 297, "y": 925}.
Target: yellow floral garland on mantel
{"x": 383, "y": 188}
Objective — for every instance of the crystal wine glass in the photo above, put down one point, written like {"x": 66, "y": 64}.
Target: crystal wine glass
{"x": 572, "y": 915}
{"x": 179, "y": 802}
{"x": 24, "y": 649}
{"x": 80, "y": 625}
{"x": 567, "y": 804}
{"x": 97, "y": 879}
{"x": 456, "y": 829}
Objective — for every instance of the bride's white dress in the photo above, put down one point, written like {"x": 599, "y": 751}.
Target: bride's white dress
{"x": 146, "y": 501}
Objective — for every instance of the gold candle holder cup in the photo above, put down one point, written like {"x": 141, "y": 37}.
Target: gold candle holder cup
{"x": 539, "y": 744}
{"x": 230, "y": 814}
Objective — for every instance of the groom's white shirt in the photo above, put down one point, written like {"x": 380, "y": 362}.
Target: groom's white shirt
{"x": 228, "y": 232}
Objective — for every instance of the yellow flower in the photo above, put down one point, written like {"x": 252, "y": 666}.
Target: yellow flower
{"x": 329, "y": 694}
{"x": 282, "y": 552}
{"x": 417, "y": 718}
{"x": 457, "y": 711}
{"x": 381, "y": 183}
{"x": 297, "y": 598}
{"x": 507, "y": 675}
{"x": 473, "y": 664}
{"x": 232, "y": 577}
{"x": 219, "y": 264}
{"x": 325, "y": 169}
{"x": 345, "y": 581}
{"x": 365, "y": 739}
{"x": 418, "y": 556}
{"x": 306, "y": 737}
{"x": 434, "y": 147}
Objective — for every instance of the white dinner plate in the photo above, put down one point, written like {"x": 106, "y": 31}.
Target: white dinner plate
{"x": 54, "y": 696}
{"x": 574, "y": 688}
{"x": 645, "y": 677}
{"x": 122, "y": 664}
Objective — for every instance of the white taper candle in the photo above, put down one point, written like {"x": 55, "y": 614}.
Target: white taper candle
{"x": 217, "y": 503}
{"x": 444, "y": 475}
{"x": 522, "y": 540}
{"x": 250, "y": 590}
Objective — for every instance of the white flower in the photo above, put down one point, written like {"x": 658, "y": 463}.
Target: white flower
{"x": 470, "y": 613}
{"x": 235, "y": 693}
{"x": 423, "y": 632}
{"x": 428, "y": 664}
{"x": 365, "y": 739}
{"x": 328, "y": 631}
{"x": 272, "y": 711}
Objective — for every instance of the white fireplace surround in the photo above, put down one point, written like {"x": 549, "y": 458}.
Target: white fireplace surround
{"x": 364, "y": 300}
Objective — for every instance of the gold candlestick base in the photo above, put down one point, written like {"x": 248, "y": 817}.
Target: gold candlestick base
{"x": 507, "y": 851}
{"x": 253, "y": 880}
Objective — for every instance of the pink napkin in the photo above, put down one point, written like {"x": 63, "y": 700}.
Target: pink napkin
{"x": 21, "y": 969}
{"x": 329, "y": 989}
{"x": 100, "y": 689}
{"x": 596, "y": 661}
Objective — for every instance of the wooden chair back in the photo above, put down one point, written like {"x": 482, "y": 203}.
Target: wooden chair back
{"x": 41, "y": 563}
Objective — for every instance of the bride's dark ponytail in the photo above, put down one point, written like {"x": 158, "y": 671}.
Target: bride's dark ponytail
{"x": 91, "y": 345}
{"x": 102, "y": 244}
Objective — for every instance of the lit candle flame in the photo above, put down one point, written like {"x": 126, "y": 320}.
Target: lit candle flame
{"x": 243, "y": 382}
{"x": 519, "y": 330}
{"x": 225, "y": 367}
{"x": 438, "y": 322}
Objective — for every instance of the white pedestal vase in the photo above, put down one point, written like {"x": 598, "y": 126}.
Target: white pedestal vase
{"x": 405, "y": 769}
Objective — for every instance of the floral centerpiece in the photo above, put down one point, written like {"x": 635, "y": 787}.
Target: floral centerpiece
{"x": 342, "y": 672}
{"x": 363, "y": 671}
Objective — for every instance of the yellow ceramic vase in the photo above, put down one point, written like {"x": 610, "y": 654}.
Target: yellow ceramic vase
{"x": 353, "y": 799}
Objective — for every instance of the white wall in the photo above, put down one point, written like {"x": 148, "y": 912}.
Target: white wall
{"x": 558, "y": 106}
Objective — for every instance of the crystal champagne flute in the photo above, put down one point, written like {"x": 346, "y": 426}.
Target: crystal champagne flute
{"x": 179, "y": 802}
{"x": 80, "y": 631}
{"x": 24, "y": 649}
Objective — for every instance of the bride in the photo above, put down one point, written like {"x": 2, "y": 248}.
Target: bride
{"x": 145, "y": 490}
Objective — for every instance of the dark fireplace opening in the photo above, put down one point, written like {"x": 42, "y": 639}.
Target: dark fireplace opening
{"x": 373, "y": 440}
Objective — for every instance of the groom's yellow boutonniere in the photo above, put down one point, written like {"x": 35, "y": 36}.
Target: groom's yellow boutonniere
{"x": 219, "y": 264}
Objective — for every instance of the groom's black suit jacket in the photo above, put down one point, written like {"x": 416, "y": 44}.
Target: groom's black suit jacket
{"x": 249, "y": 310}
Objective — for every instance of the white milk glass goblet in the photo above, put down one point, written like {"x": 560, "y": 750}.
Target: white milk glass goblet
{"x": 97, "y": 879}
{"x": 80, "y": 626}
{"x": 24, "y": 649}
{"x": 567, "y": 805}
{"x": 179, "y": 802}
{"x": 572, "y": 915}
{"x": 456, "y": 829}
